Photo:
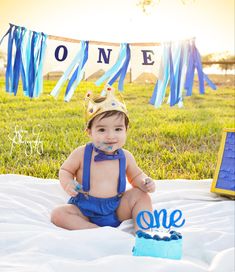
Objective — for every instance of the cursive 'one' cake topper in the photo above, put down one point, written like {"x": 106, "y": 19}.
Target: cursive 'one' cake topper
{"x": 152, "y": 220}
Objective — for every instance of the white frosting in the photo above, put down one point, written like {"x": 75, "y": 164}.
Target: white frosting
{"x": 160, "y": 233}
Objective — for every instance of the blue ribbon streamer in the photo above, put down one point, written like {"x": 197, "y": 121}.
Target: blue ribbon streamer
{"x": 8, "y": 32}
{"x": 9, "y": 69}
{"x": 172, "y": 80}
{"x": 198, "y": 65}
{"x": 122, "y": 70}
{"x": 26, "y": 62}
{"x": 18, "y": 35}
{"x": 39, "y": 65}
{"x": 25, "y": 51}
{"x": 180, "y": 69}
{"x": 22, "y": 67}
{"x": 209, "y": 82}
{"x": 176, "y": 70}
{"x": 80, "y": 60}
{"x": 31, "y": 72}
{"x": 178, "y": 76}
{"x": 78, "y": 73}
{"x": 188, "y": 86}
{"x": 184, "y": 55}
{"x": 160, "y": 87}
{"x": 194, "y": 62}
{"x": 119, "y": 68}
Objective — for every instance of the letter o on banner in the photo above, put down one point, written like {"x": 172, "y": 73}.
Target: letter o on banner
{"x": 64, "y": 50}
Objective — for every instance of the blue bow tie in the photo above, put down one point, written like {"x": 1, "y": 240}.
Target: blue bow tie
{"x": 101, "y": 156}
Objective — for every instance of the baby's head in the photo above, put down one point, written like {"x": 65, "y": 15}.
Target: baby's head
{"x": 107, "y": 121}
{"x": 113, "y": 113}
{"x": 105, "y": 106}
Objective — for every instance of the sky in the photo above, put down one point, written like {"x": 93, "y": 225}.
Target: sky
{"x": 211, "y": 22}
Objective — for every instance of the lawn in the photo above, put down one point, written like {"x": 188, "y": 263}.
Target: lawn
{"x": 168, "y": 143}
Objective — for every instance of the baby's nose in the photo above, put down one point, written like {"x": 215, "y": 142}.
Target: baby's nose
{"x": 110, "y": 135}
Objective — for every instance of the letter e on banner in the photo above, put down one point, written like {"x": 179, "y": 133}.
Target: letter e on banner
{"x": 147, "y": 57}
{"x": 61, "y": 56}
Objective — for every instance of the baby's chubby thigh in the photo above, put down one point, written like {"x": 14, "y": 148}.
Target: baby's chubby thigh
{"x": 64, "y": 212}
{"x": 128, "y": 201}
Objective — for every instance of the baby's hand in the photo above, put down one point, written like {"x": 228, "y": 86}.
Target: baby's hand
{"x": 73, "y": 187}
{"x": 148, "y": 185}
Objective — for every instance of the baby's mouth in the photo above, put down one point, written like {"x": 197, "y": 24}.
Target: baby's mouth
{"x": 107, "y": 146}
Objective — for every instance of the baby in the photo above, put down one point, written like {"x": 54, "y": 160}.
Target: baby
{"x": 95, "y": 175}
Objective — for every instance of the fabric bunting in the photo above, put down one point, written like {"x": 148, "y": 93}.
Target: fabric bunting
{"x": 194, "y": 62}
{"x": 77, "y": 65}
{"x": 178, "y": 66}
{"x": 179, "y": 61}
{"x": 27, "y": 60}
{"x": 118, "y": 69}
{"x": 160, "y": 88}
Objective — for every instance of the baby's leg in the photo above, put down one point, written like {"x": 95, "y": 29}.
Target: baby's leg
{"x": 70, "y": 217}
{"x": 133, "y": 201}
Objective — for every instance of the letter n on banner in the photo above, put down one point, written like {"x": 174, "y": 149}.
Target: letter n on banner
{"x": 101, "y": 58}
{"x": 103, "y": 55}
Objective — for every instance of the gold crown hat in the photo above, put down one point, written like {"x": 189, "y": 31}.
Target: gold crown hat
{"x": 100, "y": 104}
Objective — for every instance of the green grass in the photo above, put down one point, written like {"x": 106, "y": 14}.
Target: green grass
{"x": 168, "y": 143}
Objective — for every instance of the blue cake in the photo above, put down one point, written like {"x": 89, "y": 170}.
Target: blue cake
{"x": 158, "y": 244}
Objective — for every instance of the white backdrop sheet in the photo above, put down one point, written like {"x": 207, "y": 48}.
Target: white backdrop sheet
{"x": 29, "y": 242}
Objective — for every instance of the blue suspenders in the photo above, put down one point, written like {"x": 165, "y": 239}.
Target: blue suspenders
{"x": 86, "y": 170}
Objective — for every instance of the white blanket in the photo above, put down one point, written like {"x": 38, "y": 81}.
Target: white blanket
{"x": 29, "y": 242}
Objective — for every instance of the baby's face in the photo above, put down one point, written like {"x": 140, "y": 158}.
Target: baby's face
{"x": 109, "y": 133}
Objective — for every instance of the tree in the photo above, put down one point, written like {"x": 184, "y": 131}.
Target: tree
{"x": 229, "y": 62}
{"x": 207, "y": 58}
{"x": 148, "y": 4}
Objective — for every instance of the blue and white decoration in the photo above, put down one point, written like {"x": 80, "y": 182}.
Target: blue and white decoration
{"x": 25, "y": 56}
{"x": 119, "y": 69}
{"x": 178, "y": 66}
{"x": 27, "y": 59}
{"x": 78, "y": 67}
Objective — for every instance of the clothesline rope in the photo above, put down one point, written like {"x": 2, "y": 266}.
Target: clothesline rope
{"x": 52, "y": 37}
{"x": 65, "y": 39}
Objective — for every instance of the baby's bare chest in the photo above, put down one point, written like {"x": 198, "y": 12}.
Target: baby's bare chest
{"x": 104, "y": 177}
{"x": 104, "y": 170}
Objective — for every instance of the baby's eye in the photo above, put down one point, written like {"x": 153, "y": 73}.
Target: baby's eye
{"x": 101, "y": 129}
{"x": 118, "y": 129}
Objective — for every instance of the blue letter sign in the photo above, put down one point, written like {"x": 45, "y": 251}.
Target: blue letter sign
{"x": 64, "y": 55}
{"x": 102, "y": 54}
{"x": 147, "y": 57}
{"x": 153, "y": 220}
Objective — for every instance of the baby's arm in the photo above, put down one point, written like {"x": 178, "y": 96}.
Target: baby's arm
{"x": 68, "y": 171}
{"x": 136, "y": 176}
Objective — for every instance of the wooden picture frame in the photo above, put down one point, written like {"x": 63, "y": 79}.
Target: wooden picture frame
{"x": 224, "y": 177}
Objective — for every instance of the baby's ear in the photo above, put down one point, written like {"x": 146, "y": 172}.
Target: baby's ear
{"x": 88, "y": 131}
